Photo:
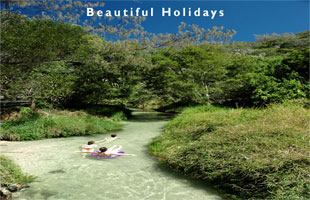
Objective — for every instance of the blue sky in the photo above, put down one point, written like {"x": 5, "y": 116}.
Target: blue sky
{"x": 246, "y": 17}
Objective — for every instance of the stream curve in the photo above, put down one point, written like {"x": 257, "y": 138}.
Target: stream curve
{"x": 65, "y": 175}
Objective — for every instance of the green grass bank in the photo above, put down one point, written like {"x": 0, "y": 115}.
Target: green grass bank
{"x": 10, "y": 173}
{"x": 247, "y": 153}
{"x": 34, "y": 125}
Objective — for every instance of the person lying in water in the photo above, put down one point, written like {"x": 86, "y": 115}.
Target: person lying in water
{"x": 89, "y": 147}
{"x": 108, "y": 139}
{"x": 103, "y": 151}
{"x": 113, "y": 150}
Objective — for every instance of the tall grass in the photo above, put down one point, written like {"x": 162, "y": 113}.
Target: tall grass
{"x": 49, "y": 124}
{"x": 249, "y": 153}
{"x": 11, "y": 173}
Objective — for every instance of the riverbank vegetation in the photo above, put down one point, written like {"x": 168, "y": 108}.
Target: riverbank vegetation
{"x": 249, "y": 153}
{"x": 34, "y": 125}
{"x": 10, "y": 173}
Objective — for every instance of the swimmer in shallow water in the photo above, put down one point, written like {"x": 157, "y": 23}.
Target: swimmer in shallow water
{"x": 108, "y": 139}
{"x": 113, "y": 150}
{"x": 103, "y": 151}
{"x": 89, "y": 147}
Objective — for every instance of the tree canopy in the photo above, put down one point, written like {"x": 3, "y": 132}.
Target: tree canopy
{"x": 57, "y": 64}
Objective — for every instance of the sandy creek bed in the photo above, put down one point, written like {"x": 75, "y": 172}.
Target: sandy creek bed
{"x": 65, "y": 175}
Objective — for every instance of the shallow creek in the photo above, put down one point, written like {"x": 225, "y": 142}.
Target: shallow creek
{"x": 64, "y": 175}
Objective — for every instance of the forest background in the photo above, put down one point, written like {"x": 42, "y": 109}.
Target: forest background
{"x": 55, "y": 64}
{"x": 59, "y": 61}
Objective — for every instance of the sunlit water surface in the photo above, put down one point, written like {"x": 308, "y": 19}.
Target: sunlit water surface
{"x": 64, "y": 175}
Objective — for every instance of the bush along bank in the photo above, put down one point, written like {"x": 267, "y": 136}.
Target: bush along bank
{"x": 248, "y": 153}
{"x": 12, "y": 178}
{"x": 34, "y": 125}
{"x": 115, "y": 112}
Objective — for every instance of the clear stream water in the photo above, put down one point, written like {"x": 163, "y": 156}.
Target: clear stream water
{"x": 65, "y": 175}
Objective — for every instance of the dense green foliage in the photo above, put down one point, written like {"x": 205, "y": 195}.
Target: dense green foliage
{"x": 52, "y": 123}
{"x": 207, "y": 73}
{"x": 186, "y": 75}
{"x": 249, "y": 153}
{"x": 32, "y": 67}
{"x": 74, "y": 68}
{"x": 115, "y": 113}
{"x": 10, "y": 173}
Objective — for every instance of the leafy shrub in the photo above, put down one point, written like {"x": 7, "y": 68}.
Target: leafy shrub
{"x": 117, "y": 113}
